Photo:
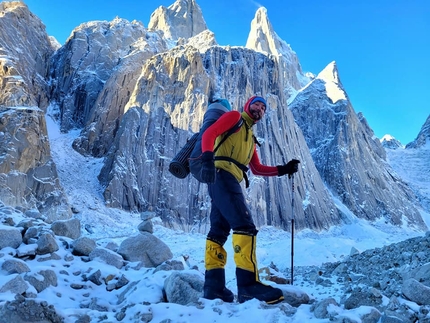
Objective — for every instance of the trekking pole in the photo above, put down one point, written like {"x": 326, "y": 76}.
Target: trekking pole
{"x": 292, "y": 229}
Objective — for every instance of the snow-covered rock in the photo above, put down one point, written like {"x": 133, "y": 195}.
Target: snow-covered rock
{"x": 390, "y": 142}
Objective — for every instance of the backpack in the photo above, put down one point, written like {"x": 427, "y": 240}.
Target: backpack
{"x": 187, "y": 160}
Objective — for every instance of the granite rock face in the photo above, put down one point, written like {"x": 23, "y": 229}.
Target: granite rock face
{"x": 80, "y": 68}
{"x": 137, "y": 94}
{"x": 348, "y": 157}
{"x": 28, "y": 175}
{"x": 169, "y": 105}
{"x": 182, "y": 19}
{"x": 25, "y": 49}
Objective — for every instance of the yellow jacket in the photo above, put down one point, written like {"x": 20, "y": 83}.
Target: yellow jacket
{"x": 238, "y": 146}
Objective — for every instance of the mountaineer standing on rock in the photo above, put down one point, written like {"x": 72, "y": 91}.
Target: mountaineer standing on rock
{"x": 223, "y": 171}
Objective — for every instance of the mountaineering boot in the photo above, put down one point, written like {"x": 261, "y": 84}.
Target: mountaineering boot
{"x": 214, "y": 286}
{"x": 215, "y": 260}
{"x": 248, "y": 281}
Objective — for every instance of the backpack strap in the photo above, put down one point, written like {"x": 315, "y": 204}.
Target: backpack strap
{"x": 242, "y": 167}
{"x": 229, "y": 133}
{"x": 256, "y": 141}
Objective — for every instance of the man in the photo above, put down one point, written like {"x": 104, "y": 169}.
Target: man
{"x": 223, "y": 171}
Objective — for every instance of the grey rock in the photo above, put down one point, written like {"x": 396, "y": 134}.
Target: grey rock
{"x": 416, "y": 292}
{"x": 320, "y": 308}
{"x": 42, "y": 279}
{"x": 33, "y": 213}
{"x": 170, "y": 265}
{"x": 393, "y": 317}
{"x": 372, "y": 317}
{"x": 83, "y": 246}
{"x": 96, "y": 277}
{"x": 27, "y": 250}
{"x": 107, "y": 256}
{"x": 121, "y": 282}
{"x": 263, "y": 38}
{"x": 421, "y": 273}
{"x": 146, "y": 216}
{"x": 183, "y": 288}
{"x": 110, "y": 106}
{"x": 26, "y": 223}
{"x": 146, "y": 226}
{"x": 16, "y": 285}
{"x": 295, "y": 298}
{"x": 111, "y": 245}
{"x": 70, "y": 228}
{"x": 24, "y": 310}
{"x": 30, "y": 234}
{"x": 354, "y": 251}
{"x": 146, "y": 248}
{"x": 391, "y": 143}
{"x": 361, "y": 297}
{"x": 46, "y": 244}
{"x": 14, "y": 266}
{"x": 10, "y": 237}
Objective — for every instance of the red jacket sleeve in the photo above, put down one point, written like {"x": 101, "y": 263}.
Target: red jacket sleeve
{"x": 223, "y": 124}
{"x": 259, "y": 169}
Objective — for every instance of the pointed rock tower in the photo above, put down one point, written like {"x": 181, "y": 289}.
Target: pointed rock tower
{"x": 183, "y": 19}
{"x": 264, "y": 39}
{"x": 348, "y": 156}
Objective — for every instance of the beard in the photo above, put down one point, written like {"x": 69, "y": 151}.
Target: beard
{"x": 256, "y": 115}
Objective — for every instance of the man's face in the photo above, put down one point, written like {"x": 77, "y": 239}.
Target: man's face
{"x": 257, "y": 110}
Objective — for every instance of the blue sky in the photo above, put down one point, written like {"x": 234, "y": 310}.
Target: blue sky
{"x": 381, "y": 47}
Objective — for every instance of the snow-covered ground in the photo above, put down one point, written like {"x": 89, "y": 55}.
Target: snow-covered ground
{"x": 78, "y": 176}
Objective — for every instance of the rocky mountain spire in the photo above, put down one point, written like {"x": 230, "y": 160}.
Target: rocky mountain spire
{"x": 349, "y": 158}
{"x": 183, "y": 19}
{"x": 23, "y": 60}
{"x": 423, "y": 136}
{"x": 333, "y": 86}
{"x": 263, "y": 38}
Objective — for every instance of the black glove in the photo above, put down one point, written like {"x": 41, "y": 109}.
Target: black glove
{"x": 208, "y": 172}
{"x": 289, "y": 168}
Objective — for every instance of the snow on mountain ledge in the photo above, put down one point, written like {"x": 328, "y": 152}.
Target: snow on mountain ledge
{"x": 390, "y": 142}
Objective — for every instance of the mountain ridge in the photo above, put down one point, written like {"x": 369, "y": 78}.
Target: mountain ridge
{"x": 162, "y": 92}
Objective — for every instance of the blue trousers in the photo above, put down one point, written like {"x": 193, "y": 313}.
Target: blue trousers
{"x": 228, "y": 209}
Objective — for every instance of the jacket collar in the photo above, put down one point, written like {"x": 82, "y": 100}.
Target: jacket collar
{"x": 249, "y": 121}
